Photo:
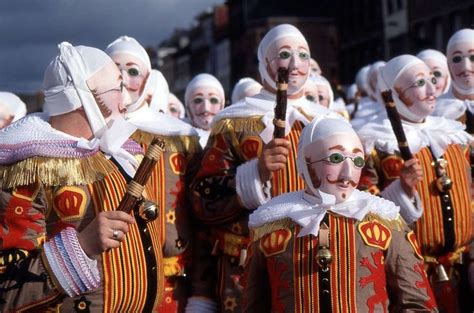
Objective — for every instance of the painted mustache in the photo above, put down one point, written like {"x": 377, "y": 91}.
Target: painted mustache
{"x": 298, "y": 72}
{"x": 465, "y": 73}
{"x": 205, "y": 113}
{"x": 342, "y": 181}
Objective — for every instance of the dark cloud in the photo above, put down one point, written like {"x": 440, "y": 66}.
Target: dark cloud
{"x": 30, "y": 30}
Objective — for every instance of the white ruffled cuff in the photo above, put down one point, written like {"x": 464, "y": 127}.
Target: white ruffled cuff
{"x": 411, "y": 209}
{"x": 200, "y": 305}
{"x": 250, "y": 189}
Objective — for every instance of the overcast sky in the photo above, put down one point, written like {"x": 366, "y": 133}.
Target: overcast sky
{"x": 30, "y": 30}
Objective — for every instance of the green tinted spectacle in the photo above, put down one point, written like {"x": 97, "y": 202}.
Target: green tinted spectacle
{"x": 132, "y": 72}
{"x": 337, "y": 158}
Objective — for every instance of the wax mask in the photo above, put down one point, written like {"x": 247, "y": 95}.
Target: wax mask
{"x": 416, "y": 87}
{"x": 205, "y": 103}
{"x": 335, "y": 164}
{"x": 109, "y": 92}
{"x": 441, "y": 73}
{"x": 293, "y": 54}
{"x": 134, "y": 73}
{"x": 314, "y": 66}
{"x": 323, "y": 95}
{"x": 310, "y": 90}
{"x": 174, "y": 109}
{"x": 461, "y": 65}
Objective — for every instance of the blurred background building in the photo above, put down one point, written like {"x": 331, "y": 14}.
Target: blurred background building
{"x": 343, "y": 35}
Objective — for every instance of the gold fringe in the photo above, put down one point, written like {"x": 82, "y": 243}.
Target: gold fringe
{"x": 253, "y": 124}
{"x": 188, "y": 144}
{"x": 396, "y": 224}
{"x": 308, "y": 117}
{"x": 268, "y": 228}
{"x": 55, "y": 171}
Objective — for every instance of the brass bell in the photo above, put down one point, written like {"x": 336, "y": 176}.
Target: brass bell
{"x": 324, "y": 257}
{"x": 444, "y": 183}
{"x": 148, "y": 210}
{"x": 441, "y": 273}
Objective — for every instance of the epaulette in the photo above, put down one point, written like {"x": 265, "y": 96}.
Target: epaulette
{"x": 55, "y": 171}
{"x": 397, "y": 223}
{"x": 239, "y": 124}
{"x": 181, "y": 143}
{"x": 259, "y": 232}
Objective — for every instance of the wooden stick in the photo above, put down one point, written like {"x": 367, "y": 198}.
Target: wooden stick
{"x": 136, "y": 186}
{"x": 397, "y": 127}
{"x": 281, "y": 101}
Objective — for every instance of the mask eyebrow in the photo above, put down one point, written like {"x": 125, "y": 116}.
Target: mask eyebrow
{"x": 339, "y": 147}
{"x": 357, "y": 150}
{"x": 131, "y": 63}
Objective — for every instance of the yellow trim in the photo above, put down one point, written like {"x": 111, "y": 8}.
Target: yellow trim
{"x": 55, "y": 171}
{"x": 171, "y": 266}
{"x": 261, "y": 231}
{"x": 249, "y": 124}
{"x": 189, "y": 144}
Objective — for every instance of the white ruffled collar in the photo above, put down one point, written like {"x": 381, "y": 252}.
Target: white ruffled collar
{"x": 450, "y": 107}
{"x": 263, "y": 104}
{"x": 436, "y": 132}
{"x": 308, "y": 211}
{"x": 152, "y": 122}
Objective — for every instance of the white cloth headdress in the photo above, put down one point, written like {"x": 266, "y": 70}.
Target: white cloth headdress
{"x": 361, "y": 79}
{"x": 320, "y": 80}
{"x": 374, "y": 71}
{"x": 66, "y": 90}
{"x": 203, "y": 80}
{"x": 173, "y": 99}
{"x": 65, "y": 83}
{"x": 157, "y": 86}
{"x": 129, "y": 45}
{"x": 275, "y": 34}
{"x": 241, "y": 88}
{"x": 11, "y": 104}
{"x": 465, "y": 35}
{"x": 352, "y": 91}
{"x": 389, "y": 74}
{"x": 440, "y": 58}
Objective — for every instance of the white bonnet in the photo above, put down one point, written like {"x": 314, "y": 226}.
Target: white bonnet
{"x": 129, "y": 45}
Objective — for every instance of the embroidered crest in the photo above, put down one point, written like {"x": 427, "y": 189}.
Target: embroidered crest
{"x": 424, "y": 283}
{"x": 251, "y": 147}
{"x": 412, "y": 240}
{"x": 275, "y": 242}
{"x": 375, "y": 234}
{"x": 70, "y": 203}
{"x": 214, "y": 160}
{"x": 178, "y": 163}
{"x": 391, "y": 166}
{"x": 28, "y": 192}
{"x": 377, "y": 278}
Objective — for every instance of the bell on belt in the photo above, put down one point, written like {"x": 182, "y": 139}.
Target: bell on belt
{"x": 444, "y": 183}
{"x": 148, "y": 210}
{"x": 324, "y": 257}
{"x": 441, "y": 273}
